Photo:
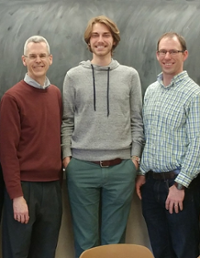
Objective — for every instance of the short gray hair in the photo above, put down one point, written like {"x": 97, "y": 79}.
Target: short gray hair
{"x": 36, "y": 39}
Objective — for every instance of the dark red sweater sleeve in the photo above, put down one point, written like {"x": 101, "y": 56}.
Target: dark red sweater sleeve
{"x": 9, "y": 140}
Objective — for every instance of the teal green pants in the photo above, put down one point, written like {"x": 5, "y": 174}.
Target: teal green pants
{"x": 100, "y": 200}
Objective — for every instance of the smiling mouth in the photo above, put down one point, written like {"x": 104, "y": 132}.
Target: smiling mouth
{"x": 100, "y": 47}
{"x": 168, "y": 64}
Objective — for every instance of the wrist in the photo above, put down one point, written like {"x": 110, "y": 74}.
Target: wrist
{"x": 179, "y": 186}
{"x": 136, "y": 158}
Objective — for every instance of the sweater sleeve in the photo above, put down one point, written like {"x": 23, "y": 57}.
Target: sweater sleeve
{"x": 9, "y": 140}
{"x": 136, "y": 116}
{"x": 68, "y": 116}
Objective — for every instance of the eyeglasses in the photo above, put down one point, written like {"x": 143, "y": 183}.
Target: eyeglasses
{"x": 172, "y": 52}
{"x": 33, "y": 56}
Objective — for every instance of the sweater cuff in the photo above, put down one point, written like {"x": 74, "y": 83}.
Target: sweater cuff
{"x": 136, "y": 150}
{"x": 66, "y": 153}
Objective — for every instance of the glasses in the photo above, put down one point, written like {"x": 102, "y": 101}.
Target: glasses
{"x": 33, "y": 56}
{"x": 172, "y": 52}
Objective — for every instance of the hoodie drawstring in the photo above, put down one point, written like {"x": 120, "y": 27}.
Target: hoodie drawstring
{"x": 94, "y": 89}
{"x": 108, "y": 83}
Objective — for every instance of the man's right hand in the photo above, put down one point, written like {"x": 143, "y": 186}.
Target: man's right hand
{"x": 20, "y": 209}
{"x": 140, "y": 180}
{"x": 66, "y": 161}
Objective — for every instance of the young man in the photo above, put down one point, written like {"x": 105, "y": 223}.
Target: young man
{"x": 170, "y": 162}
{"x": 30, "y": 120}
{"x": 101, "y": 130}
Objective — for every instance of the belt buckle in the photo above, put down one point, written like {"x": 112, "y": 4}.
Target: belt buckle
{"x": 101, "y": 164}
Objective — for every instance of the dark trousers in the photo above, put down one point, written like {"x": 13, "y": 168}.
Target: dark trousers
{"x": 1, "y": 191}
{"x": 172, "y": 235}
{"x": 38, "y": 238}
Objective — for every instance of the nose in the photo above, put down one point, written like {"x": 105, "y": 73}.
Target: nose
{"x": 38, "y": 59}
{"x": 100, "y": 38}
{"x": 167, "y": 55}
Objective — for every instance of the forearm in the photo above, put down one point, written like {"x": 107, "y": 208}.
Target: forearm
{"x": 66, "y": 134}
{"x": 9, "y": 142}
{"x": 137, "y": 130}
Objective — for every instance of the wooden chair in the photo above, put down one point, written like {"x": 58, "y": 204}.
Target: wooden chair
{"x": 118, "y": 251}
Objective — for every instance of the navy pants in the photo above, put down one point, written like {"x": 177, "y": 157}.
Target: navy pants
{"x": 172, "y": 235}
{"x": 93, "y": 190}
{"x": 38, "y": 238}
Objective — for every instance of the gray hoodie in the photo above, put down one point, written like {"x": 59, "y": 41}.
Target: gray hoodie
{"x": 102, "y": 116}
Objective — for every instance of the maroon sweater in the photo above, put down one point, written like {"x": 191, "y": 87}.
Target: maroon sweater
{"x": 30, "y": 121}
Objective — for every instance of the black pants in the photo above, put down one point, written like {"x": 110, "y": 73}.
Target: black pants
{"x": 1, "y": 191}
{"x": 38, "y": 238}
{"x": 172, "y": 235}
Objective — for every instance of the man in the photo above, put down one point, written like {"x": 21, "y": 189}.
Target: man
{"x": 1, "y": 192}
{"x": 30, "y": 117}
{"x": 167, "y": 183}
{"x": 101, "y": 130}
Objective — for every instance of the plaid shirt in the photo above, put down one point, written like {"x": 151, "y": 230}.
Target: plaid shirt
{"x": 172, "y": 128}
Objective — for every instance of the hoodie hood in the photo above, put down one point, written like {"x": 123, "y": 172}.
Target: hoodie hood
{"x": 88, "y": 65}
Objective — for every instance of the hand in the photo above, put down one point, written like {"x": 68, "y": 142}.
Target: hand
{"x": 135, "y": 163}
{"x": 140, "y": 180}
{"x": 20, "y": 209}
{"x": 175, "y": 199}
{"x": 66, "y": 161}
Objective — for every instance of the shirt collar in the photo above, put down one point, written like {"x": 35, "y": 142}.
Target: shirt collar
{"x": 176, "y": 79}
{"x": 35, "y": 84}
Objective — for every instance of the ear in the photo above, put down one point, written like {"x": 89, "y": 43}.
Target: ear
{"x": 89, "y": 46}
{"x": 24, "y": 60}
{"x": 157, "y": 55}
{"x": 50, "y": 59}
{"x": 185, "y": 55}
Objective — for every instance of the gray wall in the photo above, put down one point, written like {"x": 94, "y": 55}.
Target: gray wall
{"x": 141, "y": 23}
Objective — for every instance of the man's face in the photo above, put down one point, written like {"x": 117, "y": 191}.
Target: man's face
{"x": 37, "y": 60}
{"x": 171, "y": 64}
{"x": 101, "y": 41}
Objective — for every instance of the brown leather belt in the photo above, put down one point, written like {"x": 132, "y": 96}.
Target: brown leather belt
{"x": 162, "y": 175}
{"x": 108, "y": 163}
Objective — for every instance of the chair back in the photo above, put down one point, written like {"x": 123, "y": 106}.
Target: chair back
{"x": 118, "y": 251}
